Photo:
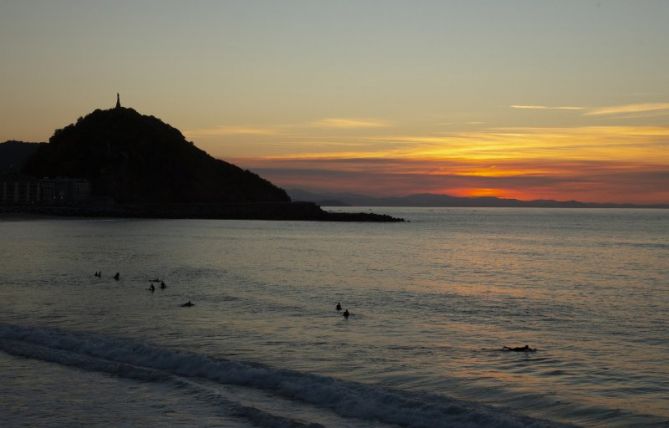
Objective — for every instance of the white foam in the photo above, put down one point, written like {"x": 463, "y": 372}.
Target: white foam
{"x": 348, "y": 399}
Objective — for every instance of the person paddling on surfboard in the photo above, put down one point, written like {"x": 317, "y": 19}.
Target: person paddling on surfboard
{"x": 525, "y": 348}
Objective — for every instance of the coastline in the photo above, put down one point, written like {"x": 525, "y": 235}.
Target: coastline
{"x": 289, "y": 211}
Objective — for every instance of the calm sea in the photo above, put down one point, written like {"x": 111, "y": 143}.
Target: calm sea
{"x": 433, "y": 301}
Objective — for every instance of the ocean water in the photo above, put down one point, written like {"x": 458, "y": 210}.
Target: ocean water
{"x": 433, "y": 301}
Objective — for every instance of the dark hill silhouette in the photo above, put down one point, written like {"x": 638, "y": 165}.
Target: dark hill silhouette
{"x": 138, "y": 159}
{"x": 14, "y": 154}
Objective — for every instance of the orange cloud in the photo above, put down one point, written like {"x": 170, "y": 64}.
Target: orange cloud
{"x": 599, "y": 164}
{"x": 579, "y": 143}
{"x": 597, "y": 181}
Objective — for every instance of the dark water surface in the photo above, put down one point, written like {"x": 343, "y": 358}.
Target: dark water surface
{"x": 433, "y": 301}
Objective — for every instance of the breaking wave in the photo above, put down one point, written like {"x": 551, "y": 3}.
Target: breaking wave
{"x": 200, "y": 373}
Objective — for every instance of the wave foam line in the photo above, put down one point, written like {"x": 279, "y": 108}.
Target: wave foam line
{"x": 127, "y": 358}
{"x": 232, "y": 408}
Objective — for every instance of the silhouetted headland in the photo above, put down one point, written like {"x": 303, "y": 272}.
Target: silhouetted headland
{"x": 120, "y": 163}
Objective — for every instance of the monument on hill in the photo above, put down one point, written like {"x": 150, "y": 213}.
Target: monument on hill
{"x": 118, "y": 100}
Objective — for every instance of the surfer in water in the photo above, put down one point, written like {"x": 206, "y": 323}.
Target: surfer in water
{"x": 117, "y": 276}
{"x": 339, "y": 306}
{"x": 346, "y": 314}
{"x": 525, "y": 348}
{"x": 162, "y": 285}
{"x": 188, "y": 304}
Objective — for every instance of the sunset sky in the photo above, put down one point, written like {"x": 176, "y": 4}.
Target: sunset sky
{"x": 562, "y": 99}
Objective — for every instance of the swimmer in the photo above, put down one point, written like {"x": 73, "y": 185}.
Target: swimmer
{"x": 525, "y": 348}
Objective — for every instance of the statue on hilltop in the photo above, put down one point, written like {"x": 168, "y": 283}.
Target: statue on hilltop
{"x": 118, "y": 100}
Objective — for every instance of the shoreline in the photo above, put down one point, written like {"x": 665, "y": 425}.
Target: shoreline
{"x": 290, "y": 211}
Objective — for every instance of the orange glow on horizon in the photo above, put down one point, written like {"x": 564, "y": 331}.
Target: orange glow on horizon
{"x": 481, "y": 192}
{"x": 554, "y": 179}
{"x": 588, "y": 163}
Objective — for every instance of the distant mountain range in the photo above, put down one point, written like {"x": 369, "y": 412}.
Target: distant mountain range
{"x": 434, "y": 200}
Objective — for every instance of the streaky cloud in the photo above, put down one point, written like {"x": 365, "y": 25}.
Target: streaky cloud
{"x": 223, "y": 130}
{"x": 612, "y": 143}
{"x": 541, "y": 107}
{"x": 589, "y": 180}
{"x": 346, "y": 123}
{"x": 628, "y": 108}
